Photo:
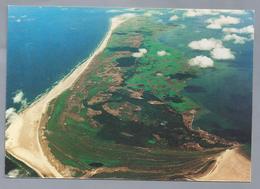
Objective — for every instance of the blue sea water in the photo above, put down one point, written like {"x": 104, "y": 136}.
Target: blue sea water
{"x": 46, "y": 43}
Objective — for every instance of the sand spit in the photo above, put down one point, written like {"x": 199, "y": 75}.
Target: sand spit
{"x": 230, "y": 166}
{"x": 22, "y": 135}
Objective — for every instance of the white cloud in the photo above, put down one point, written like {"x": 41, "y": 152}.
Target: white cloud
{"x": 205, "y": 44}
{"x": 10, "y": 114}
{"x": 199, "y": 12}
{"x": 204, "y": 12}
{"x": 201, "y": 61}
{"x": 218, "y": 23}
{"x": 215, "y": 46}
{"x": 174, "y": 17}
{"x": 18, "y": 20}
{"x": 143, "y": 50}
{"x": 137, "y": 54}
{"x": 153, "y": 12}
{"x": 156, "y": 12}
{"x": 214, "y": 26}
{"x": 140, "y": 54}
{"x": 245, "y": 30}
{"x": 114, "y": 11}
{"x": 222, "y": 53}
{"x": 19, "y": 98}
{"x": 133, "y": 9}
{"x": 235, "y": 38}
{"x": 13, "y": 173}
{"x": 162, "y": 53}
{"x": 148, "y": 14}
{"x": 235, "y": 12}
{"x": 252, "y": 37}
{"x": 172, "y": 10}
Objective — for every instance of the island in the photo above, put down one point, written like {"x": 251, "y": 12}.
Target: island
{"x": 122, "y": 114}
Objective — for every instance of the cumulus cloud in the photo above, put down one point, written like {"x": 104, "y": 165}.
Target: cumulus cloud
{"x": 252, "y": 37}
{"x": 204, "y": 12}
{"x": 114, "y": 11}
{"x": 235, "y": 12}
{"x": 140, "y": 53}
{"x": 156, "y": 12}
{"x": 148, "y": 14}
{"x": 162, "y": 53}
{"x": 222, "y": 53}
{"x": 215, "y": 46}
{"x": 143, "y": 50}
{"x": 152, "y": 12}
{"x": 245, "y": 30}
{"x": 205, "y": 44}
{"x": 174, "y": 17}
{"x": 20, "y": 99}
{"x": 133, "y": 9}
{"x": 235, "y": 38}
{"x": 218, "y": 23}
{"x": 13, "y": 173}
{"x": 199, "y": 12}
{"x": 201, "y": 61}
{"x": 137, "y": 54}
{"x": 10, "y": 114}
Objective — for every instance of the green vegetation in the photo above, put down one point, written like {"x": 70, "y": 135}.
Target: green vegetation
{"x": 57, "y": 111}
{"x": 129, "y": 113}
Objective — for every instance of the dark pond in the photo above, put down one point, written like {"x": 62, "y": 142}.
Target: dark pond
{"x": 126, "y": 61}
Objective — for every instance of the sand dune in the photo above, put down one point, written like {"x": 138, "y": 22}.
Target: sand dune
{"x": 23, "y": 133}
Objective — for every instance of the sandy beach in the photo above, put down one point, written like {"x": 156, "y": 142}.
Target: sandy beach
{"x": 22, "y": 135}
{"x": 230, "y": 165}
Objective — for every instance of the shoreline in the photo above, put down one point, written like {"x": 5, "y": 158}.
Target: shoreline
{"x": 230, "y": 166}
{"x": 23, "y": 132}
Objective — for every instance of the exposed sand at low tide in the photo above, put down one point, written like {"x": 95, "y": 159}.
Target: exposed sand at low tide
{"x": 23, "y": 132}
{"x": 230, "y": 166}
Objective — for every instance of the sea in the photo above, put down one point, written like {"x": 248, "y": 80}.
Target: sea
{"x": 45, "y": 44}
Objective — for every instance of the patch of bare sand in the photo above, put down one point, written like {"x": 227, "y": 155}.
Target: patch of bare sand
{"x": 231, "y": 165}
{"x": 22, "y": 135}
